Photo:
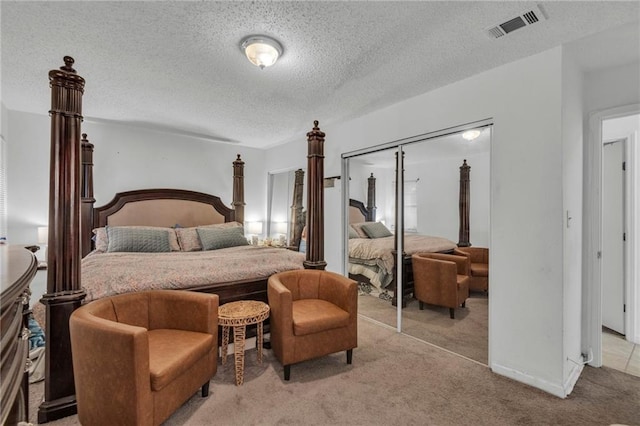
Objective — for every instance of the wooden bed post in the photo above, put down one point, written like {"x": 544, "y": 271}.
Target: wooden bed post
{"x": 86, "y": 218}
{"x": 371, "y": 198}
{"x": 315, "y": 199}
{"x": 464, "y": 205}
{"x": 238, "y": 189}
{"x": 297, "y": 215}
{"x": 64, "y": 293}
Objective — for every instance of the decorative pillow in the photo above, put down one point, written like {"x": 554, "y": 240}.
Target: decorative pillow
{"x": 102, "y": 239}
{"x": 358, "y": 228}
{"x": 188, "y": 237}
{"x": 376, "y": 230}
{"x": 353, "y": 233}
{"x": 217, "y": 238}
{"x": 130, "y": 239}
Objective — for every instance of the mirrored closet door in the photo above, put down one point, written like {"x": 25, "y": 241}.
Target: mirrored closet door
{"x": 443, "y": 182}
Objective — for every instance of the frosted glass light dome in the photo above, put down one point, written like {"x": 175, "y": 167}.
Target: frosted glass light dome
{"x": 262, "y": 51}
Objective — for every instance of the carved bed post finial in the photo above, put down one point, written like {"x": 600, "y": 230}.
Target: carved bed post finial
{"x": 238, "y": 189}
{"x": 315, "y": 199}
{"x": 464, "y": 205}
{"x": 86, "y": 194}
{"x": 64, "y": 292}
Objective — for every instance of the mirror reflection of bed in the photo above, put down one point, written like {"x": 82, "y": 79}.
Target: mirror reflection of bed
{"x": 432, "y": 200}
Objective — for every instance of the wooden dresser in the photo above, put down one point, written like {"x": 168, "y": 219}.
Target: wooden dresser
{"x": 17, "y": 268}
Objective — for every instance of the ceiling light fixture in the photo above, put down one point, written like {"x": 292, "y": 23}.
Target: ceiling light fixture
{"x": 261, "y": 50}
{"x": 471, "y": 134}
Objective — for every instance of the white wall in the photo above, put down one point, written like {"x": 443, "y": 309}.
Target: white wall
{"x": 125, "y": 158}
{"x": 526, "y": 334}
{"x": 3, "y": 202}
{"x": 572, "y": 163}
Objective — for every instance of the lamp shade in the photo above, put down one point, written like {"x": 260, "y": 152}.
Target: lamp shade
{"x": 281, "y": 227}
{"x": 254, "y": 228}
{"x": 43, "y": 234}
{"x": 262, "y": 51}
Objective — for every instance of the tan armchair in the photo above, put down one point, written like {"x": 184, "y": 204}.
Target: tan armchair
{"x": 137, "y": 357}
{"x": 441, "y": 279}
{"x": 313, "y": 313}
{"x": 479, "y": 267}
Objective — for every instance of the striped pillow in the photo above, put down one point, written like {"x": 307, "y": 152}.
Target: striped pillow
{"x": 102, "y": 239}
{"x": 217, "y": 238}
{"x": 126, "y": 239}
{"x": 188, "y": 237}
{"x": 376, "y": 230}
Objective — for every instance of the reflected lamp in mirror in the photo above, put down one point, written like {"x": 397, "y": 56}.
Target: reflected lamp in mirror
{"x": 43, "y": 239}
{"x": 254, "y": 229}
{"x": 281, "y": 232}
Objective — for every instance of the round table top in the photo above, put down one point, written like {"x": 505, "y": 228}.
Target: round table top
{"x": 243, "y": 312}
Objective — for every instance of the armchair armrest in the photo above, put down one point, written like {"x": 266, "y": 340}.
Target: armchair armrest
{"x": 281, "y": 322}
{"x": 184, "y": 310}
{"x": 463, "y": 265}
{"x": 339, "y": 290}
{"x": 115, "y": 360}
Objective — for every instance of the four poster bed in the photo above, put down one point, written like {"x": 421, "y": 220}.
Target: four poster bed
{"x": 371, "y": 247}
{"x": 228, "y": 266}
{"x": 157, "y": 238}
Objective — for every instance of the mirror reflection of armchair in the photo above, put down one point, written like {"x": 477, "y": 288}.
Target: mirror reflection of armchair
{"x": 441, "y": 279}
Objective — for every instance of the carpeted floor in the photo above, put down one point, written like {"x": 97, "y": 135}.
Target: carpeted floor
{"x": 396, "y": 379}
{"x": 466, "y": 334}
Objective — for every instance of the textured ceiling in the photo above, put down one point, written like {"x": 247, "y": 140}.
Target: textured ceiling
{"x": 177, "y": 66}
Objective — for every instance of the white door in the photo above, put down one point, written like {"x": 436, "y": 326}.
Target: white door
{"x": 612, "y": 236}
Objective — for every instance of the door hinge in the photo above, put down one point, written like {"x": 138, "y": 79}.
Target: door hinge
{"x": 624, "y": 165}
{"x": 599, "y": 254}
{"x": 624, "y": 308}
{"x": 624, "y": 236}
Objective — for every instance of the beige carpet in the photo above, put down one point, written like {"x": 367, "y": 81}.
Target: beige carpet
{"x": 466, "y": 334}
{"x": 396, "y": 379}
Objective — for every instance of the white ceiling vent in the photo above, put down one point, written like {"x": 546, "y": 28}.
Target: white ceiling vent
{"x": 526, "y": 18}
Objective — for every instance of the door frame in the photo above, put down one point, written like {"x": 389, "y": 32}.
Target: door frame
{"x": 592, "y": 267}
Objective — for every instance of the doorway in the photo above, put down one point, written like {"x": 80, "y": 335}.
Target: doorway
{"x": 612, "y": 291}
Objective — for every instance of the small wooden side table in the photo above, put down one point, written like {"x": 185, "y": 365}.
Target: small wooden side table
{"x": 238, "y": 315}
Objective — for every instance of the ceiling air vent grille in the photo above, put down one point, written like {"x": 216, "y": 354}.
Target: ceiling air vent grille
{"x": 524, "y": 19}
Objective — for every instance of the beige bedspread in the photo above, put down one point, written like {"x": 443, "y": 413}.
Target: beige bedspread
{"x": 107, "y": 274}
{"x": 373, "y": 257}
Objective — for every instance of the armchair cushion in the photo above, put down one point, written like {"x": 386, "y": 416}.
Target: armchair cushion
{"x": 172, "y": 352}
{"x": 315, "y": 315}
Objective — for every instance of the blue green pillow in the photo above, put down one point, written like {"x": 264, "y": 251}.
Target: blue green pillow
{"x": 353, "y": 233}
{"x": 376, "y": 230}
{"x": 217, "y": 238}
{"x": 126, "y": 239}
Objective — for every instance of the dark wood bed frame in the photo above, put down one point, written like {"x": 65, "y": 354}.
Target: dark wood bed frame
{"x": 72, "y": 216}
{"x": 369, "y": 214}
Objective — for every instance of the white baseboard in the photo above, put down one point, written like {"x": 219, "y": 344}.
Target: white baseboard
{"x": 574, "y": 375}
{"x": 555, "y": 389}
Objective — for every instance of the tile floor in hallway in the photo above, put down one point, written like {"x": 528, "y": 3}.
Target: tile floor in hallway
{"x": 620, "y": 354}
